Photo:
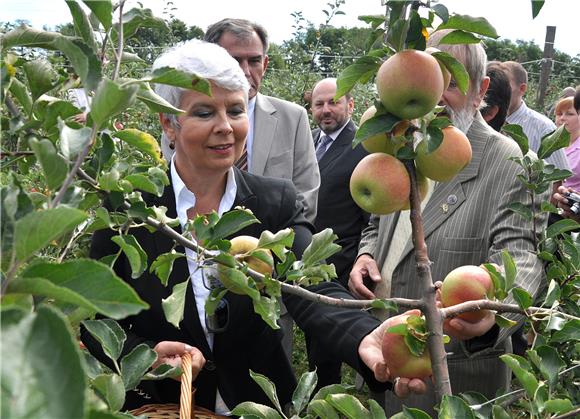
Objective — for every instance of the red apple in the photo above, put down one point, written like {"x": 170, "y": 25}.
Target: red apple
{"x": 400, "y": 360}
{"x": 467, "y": 283}
{"x": 410, "y": 84}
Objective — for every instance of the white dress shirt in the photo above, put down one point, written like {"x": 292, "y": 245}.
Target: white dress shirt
{"x": 184, "y": 200}
{"x": 250, "y": 136}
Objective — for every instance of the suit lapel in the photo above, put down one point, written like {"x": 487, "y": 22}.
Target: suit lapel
{"x": 338, "y": 146}
{"x": 447, "y": 197}
{"x": 264, "y": 133}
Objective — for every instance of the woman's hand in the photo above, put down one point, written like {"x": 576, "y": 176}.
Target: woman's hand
{"x": 169, "y": 352}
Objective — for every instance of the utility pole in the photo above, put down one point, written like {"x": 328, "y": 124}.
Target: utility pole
{"x": 546, "y": 66}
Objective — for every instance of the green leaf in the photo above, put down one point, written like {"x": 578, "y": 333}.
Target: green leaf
{"x": 237, "y": 282}
{"x": 457, "y": 70}
{"x": 163, "y": 371}
{"x": 499, "y": 412}
{"x": 554, "y": 141}
{"x": 517, "y": 133}
{"x": 377, "y": 412}
{"x": 41, "y": 77}
{"x": 278, "y": 243}
{"x": 454, "y": 407}
{"x": 504, "y": 322}
{"x": 82, "y": 24}
{"x": 255, "y": 410}
{"x": 134, "y": 252}
{"x": 384, "y": 305}
{"x": 73, "y": 141}
{"x": 348, "y": 405}
{"x": 477, "y": 402}
{"x": 56, "y": 109}
{"x": 522, "y": 297}
{"x": 163, "y": 265}
{"x": 441, "y": 11}
{"x": 321, "y": 409}
{"x": 434, "y": 139}
{"x": 136, "y": 18}
{"x": 267, "y": 387}
{"x": 22, "y": 95}
{"x": 154, "y": 102}
{"x": 142, "y": 141}
{"x": 509, "y": 268}
{"x": 415, "y": 38}
{"x": 42, "y": 371}
{"x": 460, "y": 37}
{"x": 498, "y": 281}
{"x": 178, "y": 78}
{"x": 536, "y": 7}
{"x": 378, "y": 124}
{"x": 231, "y": 222}
{"x": 174, "y": 305}
{"x": 409, "y": 413}
{"x": 321, "y": 247}
{"x": 466, "y": 23}
{"x": 213, "y": 300}
{"x": 569, "y": 332}
{"x": 54, "y": 167}
{"x": 558, "y": 406}
{"x": 522, "y": 370}
{"x": 143, "y": 183}
{"x": 361, "y": 71}
{"x": 303, "y": 391}
{"x": 109, "y": 334}
{"x": 560, "y": 227}
{"x": 551, "y": 364}
{"x": 103, "y": 10}
{"x": 374, "y": 20}
{"x": 74, "y": 282}
{"x": 135, "y": 364}
{"x": 110, "y": 388}
{"x": 268, "y": 308}
{"x": 111, "y": 99}
{"x": 553, "y": 293}
{"x": 37, "y": 229}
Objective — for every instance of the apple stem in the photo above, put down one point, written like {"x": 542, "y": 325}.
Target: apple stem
{"x": 433, "y": 315}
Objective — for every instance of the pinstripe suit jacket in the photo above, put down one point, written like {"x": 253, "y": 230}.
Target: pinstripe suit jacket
{"x": 467, "y": 222}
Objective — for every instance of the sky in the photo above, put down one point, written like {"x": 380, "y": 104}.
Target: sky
{"x": 511, "y": 18}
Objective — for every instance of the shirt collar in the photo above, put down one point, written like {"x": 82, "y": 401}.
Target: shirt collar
{"x": 185, "y": 199}
{"x": 251, "y": 106}
{"x": 520, "y": 111}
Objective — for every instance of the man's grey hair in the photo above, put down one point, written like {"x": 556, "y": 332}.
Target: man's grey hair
{"x": 206, "y": 60}
{"x": 472, "y": 56}
{"x": 240, "y": 28}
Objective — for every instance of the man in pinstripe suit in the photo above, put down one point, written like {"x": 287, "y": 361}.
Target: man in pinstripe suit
{"x": 467, "y": 222}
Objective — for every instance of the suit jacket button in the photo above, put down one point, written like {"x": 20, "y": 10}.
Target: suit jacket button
{"x": 452, "y": 199}
{"x": 209, "y": 365}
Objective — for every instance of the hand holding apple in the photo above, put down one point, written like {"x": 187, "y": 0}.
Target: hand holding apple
{"x": 370, "y": 352}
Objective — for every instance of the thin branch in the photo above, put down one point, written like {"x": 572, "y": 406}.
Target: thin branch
{"x": 500, "y": 307}
{"x": 570, "y": 414}
{"x": 433, "y": 316}
{"x": 120, "y": 45}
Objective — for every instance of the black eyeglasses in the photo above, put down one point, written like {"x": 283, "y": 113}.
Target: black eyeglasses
{"x": 219, "y": 320}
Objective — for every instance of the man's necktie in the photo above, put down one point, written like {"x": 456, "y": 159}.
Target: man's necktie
{"x": 323, "y": 144}
{"x": 242, "y": 162}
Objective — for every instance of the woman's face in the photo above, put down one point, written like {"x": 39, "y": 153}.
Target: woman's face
{"x": 212, "y": 132}
{"x": 569, "y": 118}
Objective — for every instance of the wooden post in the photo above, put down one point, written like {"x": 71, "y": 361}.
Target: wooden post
{"x": 546, "y": 66}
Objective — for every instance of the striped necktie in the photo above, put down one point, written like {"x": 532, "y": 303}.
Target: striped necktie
{"x": 323, "y": 144}
{"x": 242, "y": 162}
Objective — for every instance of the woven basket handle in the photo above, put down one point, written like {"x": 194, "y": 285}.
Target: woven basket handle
{"x": 185, "y": 401}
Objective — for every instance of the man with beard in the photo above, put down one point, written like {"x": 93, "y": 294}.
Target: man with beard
{"x": 336, "y": 208}
{"x": 467, "y": 221}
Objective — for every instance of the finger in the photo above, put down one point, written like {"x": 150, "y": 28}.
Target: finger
{"x": 401, "y": 387}
{"x": 197, "y": 362}
{"x": 417, "y": 386}
{"x": 373, "y": 271}
{"x": 381, "y": 372}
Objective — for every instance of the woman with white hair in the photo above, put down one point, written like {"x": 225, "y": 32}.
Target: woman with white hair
{"x": 207, "y": 139}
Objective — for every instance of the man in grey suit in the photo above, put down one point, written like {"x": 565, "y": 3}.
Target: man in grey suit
{"x": 467, "y": 221}
{"x": 279, "y": 142}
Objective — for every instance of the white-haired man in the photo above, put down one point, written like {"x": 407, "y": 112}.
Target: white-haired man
{"x": 467, "y": 221}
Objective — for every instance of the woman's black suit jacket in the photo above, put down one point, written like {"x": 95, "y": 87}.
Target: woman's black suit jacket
{"x": 248, "y": 343}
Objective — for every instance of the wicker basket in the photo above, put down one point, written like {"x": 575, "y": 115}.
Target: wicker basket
{"x": 185, "y": 409}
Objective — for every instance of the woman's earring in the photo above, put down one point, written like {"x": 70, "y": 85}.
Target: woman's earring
{"x": 172, "y": 145}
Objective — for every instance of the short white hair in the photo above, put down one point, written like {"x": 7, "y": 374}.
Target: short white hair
{"x": 206, "y": 60}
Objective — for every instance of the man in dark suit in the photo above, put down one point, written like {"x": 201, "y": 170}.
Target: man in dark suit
{"x": 336, "y": 161}
{"x": 336, "y": 208}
